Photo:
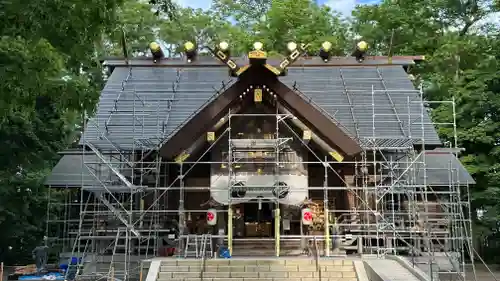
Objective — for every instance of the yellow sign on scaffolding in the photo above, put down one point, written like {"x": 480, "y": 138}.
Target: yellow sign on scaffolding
{"x": 210, "y": 136}
{"x": 182, "y": 157}
{"x": 306, "y": 135}
{"x": 257, "y": 95}
{"x": 337, "y": 156}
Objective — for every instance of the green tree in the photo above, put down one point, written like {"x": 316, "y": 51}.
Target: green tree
{"x": 276, "y": 23}
{"x": 203, "y": 27}
{"x": 303, "y": 21}
{"x": 50, "y": 76}
{"x": 246, "y": 13}
{"x": 140, "y": 25}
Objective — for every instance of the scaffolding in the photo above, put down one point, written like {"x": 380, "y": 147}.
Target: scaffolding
{"x": 137, "y": 198}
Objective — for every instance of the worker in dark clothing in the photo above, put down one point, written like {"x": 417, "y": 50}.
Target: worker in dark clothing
{"x": 40, "y": 255}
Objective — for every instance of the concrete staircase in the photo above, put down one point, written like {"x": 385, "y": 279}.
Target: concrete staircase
{"x": 234, "y": 269}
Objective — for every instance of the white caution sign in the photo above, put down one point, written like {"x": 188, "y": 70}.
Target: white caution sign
{"x": 307, "y": 216}
{"x": 211, "y": 217}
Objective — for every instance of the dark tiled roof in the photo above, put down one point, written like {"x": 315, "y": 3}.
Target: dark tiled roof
{"x": 153, "y": 103}
{"x": 442, "y": 168}
{"x": 391, "y": 113}
{"x": 149, "y": 109}
{"x": 156, "y": 101}
{"x": 80, "y": 170}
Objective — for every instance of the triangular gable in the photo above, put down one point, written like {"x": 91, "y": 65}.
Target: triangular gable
{"x": 256, "y": 75}
{"x": 202, "y": 121}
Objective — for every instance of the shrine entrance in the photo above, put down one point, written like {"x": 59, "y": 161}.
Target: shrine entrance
{"x": 254, "y": 219}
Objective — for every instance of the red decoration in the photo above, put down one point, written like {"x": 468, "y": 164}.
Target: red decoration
{"x": 210, "y": 216}
{"x": 308, "y": 216}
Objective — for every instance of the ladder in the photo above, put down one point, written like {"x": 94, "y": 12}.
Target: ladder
{"x": 206, "y": 240}
{"x": 198, "y": 248}
{"x": 192, "y": 246}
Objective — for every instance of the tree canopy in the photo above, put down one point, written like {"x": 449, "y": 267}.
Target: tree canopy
{"x": 51, "y": 76}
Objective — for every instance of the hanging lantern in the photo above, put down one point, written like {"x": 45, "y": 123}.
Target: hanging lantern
{"x": 307, "y": 216}
{"x": 211, "y": 216}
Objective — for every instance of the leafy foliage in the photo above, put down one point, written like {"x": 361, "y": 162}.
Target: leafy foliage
{"x": 48, "y": 73}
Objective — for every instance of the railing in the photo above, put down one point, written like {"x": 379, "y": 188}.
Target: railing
{"x": 316, "y": 257}
{"x": 204, "y": 240}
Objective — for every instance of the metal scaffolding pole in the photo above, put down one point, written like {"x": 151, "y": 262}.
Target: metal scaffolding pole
{"x": 395, "y": 206}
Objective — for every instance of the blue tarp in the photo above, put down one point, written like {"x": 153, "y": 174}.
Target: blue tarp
{"x": 48, "y": 276}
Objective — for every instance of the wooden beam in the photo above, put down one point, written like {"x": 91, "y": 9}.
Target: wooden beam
{"x": 302, "y": 62}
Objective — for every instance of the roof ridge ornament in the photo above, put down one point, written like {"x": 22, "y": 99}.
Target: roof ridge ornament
{"x": 258, "y": 56}
{"x": 223, "y": 53}
{"x": 294, "y": 52}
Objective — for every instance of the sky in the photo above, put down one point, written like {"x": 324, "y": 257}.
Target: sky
{"x": 343, "y": 6}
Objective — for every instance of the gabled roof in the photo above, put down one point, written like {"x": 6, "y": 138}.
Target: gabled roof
{"x": 258, "y": 75}
{"x": 202, "y": 121}
{"x": 156, "y": 101}
{"x": 82, "y": 170}
{"x": 141, "y": 116}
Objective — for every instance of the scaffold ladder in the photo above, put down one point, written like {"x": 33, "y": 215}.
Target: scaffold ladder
{"x": 192, "y": 246}
{"x": 207, "y": 245}
{"x": 117, "y": 238}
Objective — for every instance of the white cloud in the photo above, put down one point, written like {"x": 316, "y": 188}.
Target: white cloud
{"x": 492, "y": 18}
{"x": 196, "y": 4}
{"x": 344, "y": 7}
